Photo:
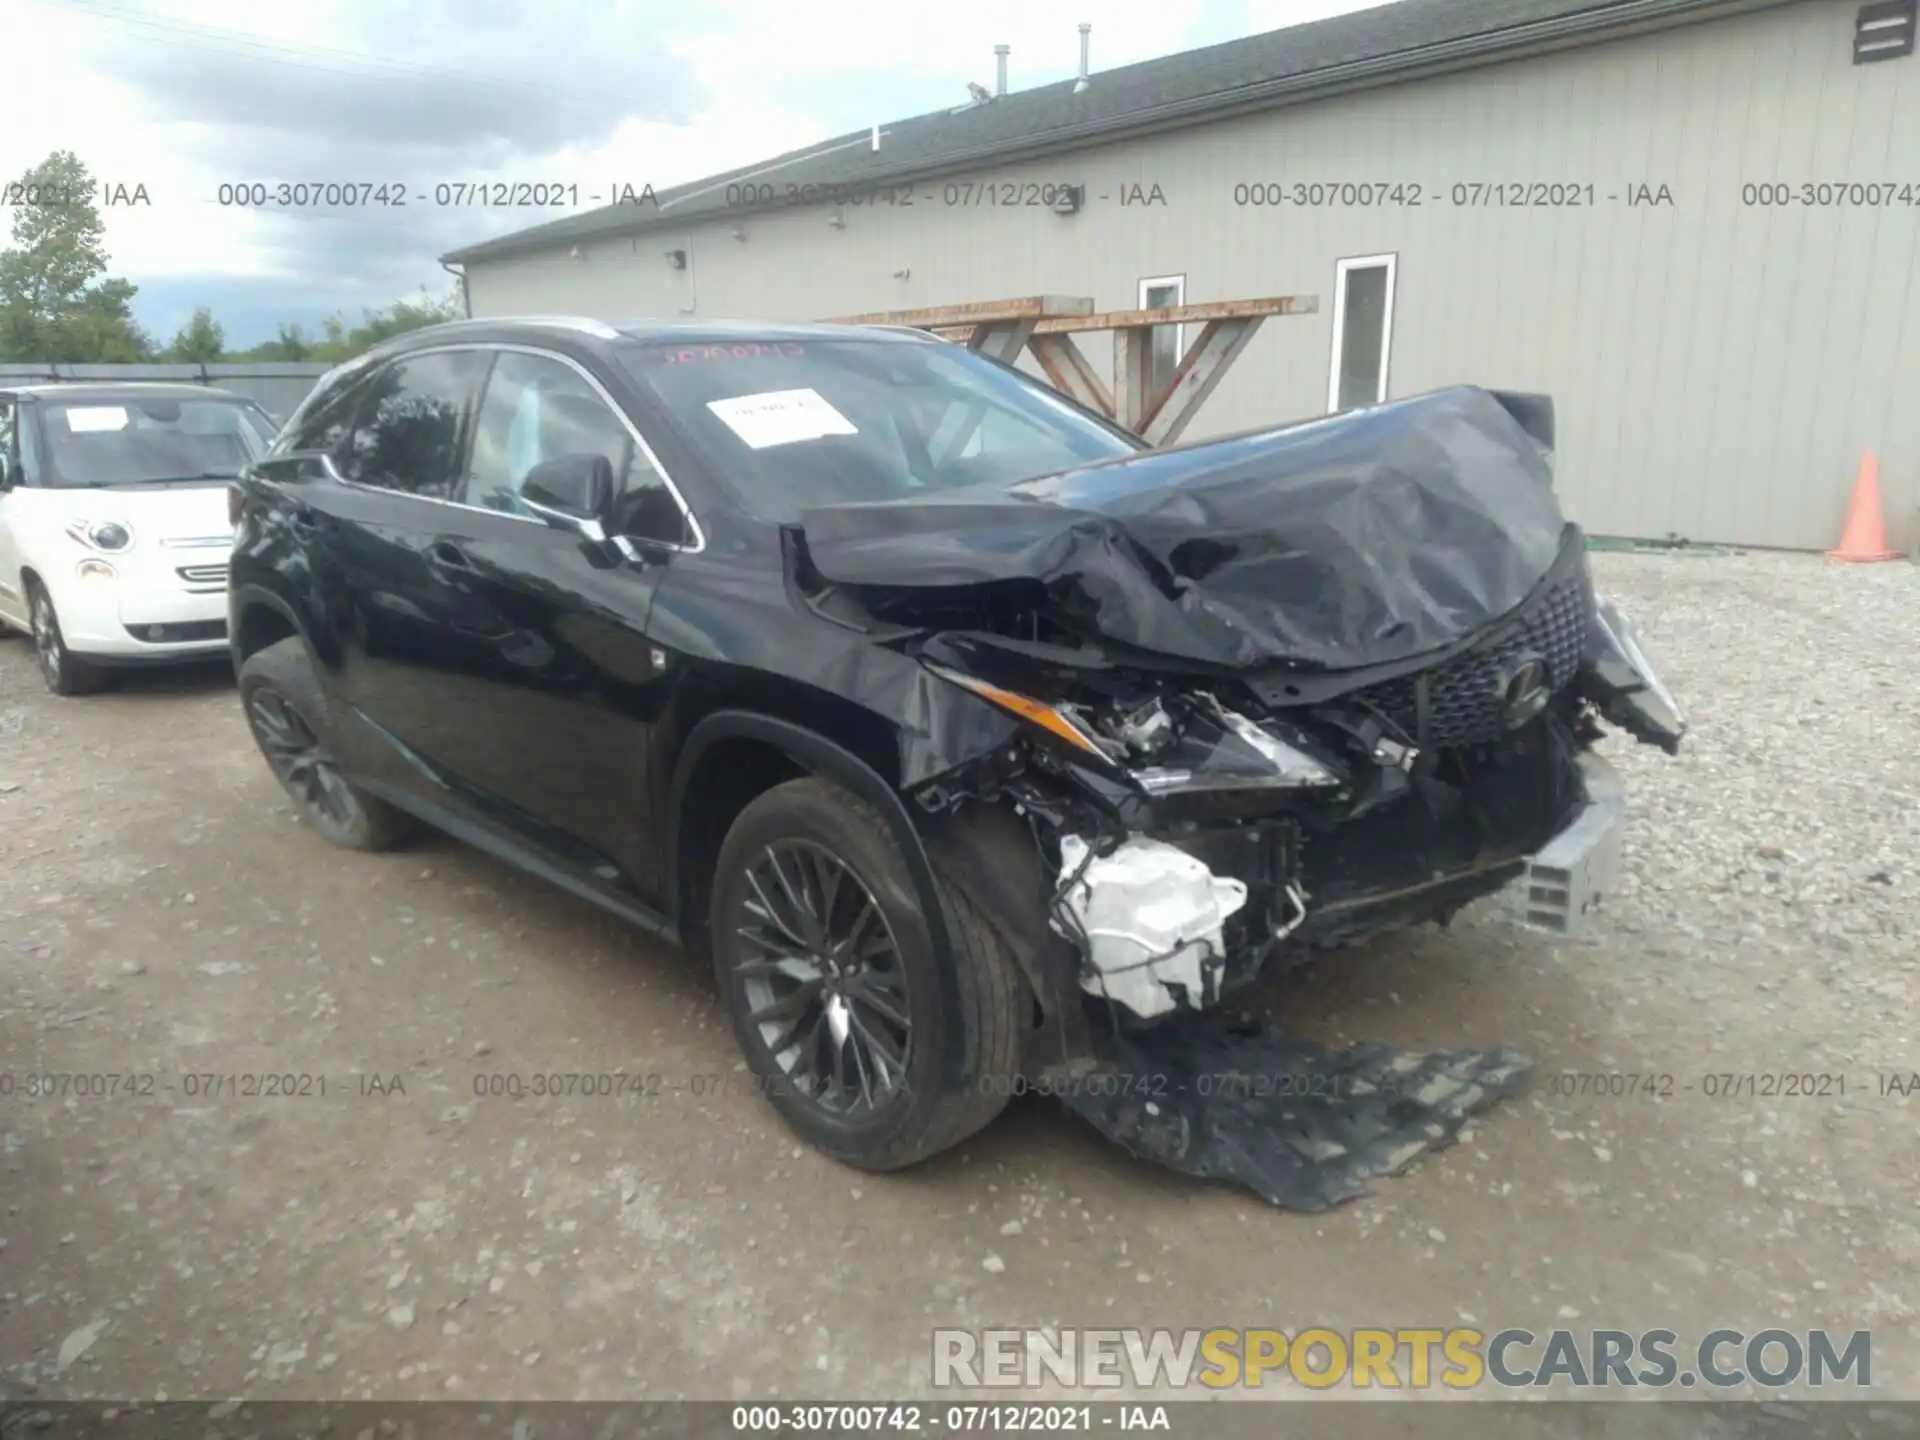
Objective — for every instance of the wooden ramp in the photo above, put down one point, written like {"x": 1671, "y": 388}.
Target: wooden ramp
{"x": 1042, "y": 325}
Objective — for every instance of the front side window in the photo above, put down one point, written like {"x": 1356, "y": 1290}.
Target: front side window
{"x": 790, "y": 424}
{"x": 137, "y": 441}
{"x": 407, "y": 431}
{"x": 538, "y": 408}
{"x": 8, "y": 454}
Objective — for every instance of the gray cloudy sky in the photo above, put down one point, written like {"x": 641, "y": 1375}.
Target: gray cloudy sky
{"x": 182, "y": 96}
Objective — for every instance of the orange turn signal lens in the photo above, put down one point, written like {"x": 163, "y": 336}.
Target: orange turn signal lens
{"x": 1045, "y": 716}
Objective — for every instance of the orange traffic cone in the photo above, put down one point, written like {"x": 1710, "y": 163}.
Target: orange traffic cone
{"x": 1865, "y": 538}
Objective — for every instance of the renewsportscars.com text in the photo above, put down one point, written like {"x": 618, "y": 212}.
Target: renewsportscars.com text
{"x": 1455, "y": 1357}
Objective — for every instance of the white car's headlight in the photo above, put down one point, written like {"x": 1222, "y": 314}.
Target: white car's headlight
{"x": 108, "y": 535}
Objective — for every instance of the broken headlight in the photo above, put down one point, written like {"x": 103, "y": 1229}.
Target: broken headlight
{"x": 1171, "y": 745}
{"x": 1622, "y": 683}
{"x": 1219, "y": 749}
{"x": 1052, "y": 718}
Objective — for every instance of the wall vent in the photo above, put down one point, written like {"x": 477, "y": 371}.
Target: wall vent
{"x": 1884, "y": 30}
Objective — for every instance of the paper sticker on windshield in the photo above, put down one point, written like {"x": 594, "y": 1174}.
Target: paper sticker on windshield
{"x": 780, "y": 417}
{"x": 96, "y": 417}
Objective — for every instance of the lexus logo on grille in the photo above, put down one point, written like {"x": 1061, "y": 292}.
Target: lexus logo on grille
{"x": 1526, "y": 687}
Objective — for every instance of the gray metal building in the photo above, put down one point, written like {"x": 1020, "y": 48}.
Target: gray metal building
{"x": 1691, "y": 221}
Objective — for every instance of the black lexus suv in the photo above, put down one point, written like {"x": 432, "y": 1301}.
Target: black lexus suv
{"x": 961, "y": 729}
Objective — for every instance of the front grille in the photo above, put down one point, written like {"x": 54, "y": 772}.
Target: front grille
{"x": 1466, "y": 696}
{"x": 209, "y": 575}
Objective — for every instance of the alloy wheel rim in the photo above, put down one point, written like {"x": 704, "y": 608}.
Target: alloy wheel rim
{"x": 823, "y": 979}
{"x": 300, "y": 759}
{"x": 46, "y": 640}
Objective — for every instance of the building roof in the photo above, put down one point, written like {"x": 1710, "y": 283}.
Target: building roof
{"x": 1302, "y": 62}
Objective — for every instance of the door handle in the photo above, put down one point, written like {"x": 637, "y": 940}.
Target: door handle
{"x": 445, "y": 555}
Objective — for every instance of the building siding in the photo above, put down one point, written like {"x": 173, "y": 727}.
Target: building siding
{"x": 1718, "y": 367}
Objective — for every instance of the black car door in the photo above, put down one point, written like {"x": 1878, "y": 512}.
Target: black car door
{"x": 537, "y": 699}
{"x": 399, "y": 445}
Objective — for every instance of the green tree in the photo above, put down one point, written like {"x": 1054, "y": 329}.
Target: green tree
{"x": 101, "y": 329}
{"x": 290, "y": 344}
{"x": 199, "y": 340}
{"x": 343, "y": 342}
{"x": 54, "y": 304}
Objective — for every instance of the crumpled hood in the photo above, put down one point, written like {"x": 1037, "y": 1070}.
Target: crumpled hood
{"x": 1355, "y": 540}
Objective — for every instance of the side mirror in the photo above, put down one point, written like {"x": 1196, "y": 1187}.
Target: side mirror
{"x": 572, "y": 492}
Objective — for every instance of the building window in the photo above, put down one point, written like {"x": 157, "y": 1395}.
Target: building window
{"x": 1362, "y": 331}
{"x": 1168, "y": 342}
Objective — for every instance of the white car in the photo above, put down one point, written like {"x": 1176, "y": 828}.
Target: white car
{"x": 114, "y": 531}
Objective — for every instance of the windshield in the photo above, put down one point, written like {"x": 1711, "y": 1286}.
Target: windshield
{"x": 788, "y": 425}
{"x": 147, "y": 442}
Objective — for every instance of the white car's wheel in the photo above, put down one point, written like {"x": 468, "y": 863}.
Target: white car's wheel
{"x": 64, "y": 672}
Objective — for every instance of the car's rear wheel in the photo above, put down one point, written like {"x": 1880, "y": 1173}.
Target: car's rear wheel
{"x": 64, "y": 672}
{"x": 825, "y": 959}
{"x": 287, "y": 712}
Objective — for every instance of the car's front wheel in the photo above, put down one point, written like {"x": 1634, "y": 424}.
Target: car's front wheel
{"x": 287, "y": 713}
{"x": 64, "y": 672}
{"x": 867, "y": 1046}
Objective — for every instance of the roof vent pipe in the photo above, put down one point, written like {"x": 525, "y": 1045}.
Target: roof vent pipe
{"x": 1000, "y": 81}
{"x": 1086, "y": 40}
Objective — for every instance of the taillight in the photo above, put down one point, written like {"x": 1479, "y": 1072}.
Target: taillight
{"x": 236, "y": 504}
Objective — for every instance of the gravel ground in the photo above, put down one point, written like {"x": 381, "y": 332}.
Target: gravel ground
{"x": 161, "y": 913}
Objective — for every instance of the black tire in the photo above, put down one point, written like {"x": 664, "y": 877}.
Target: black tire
{"x": 287, "y": 713}
{"x": 962, "y": 1056}
{"x": 64, "y": 672}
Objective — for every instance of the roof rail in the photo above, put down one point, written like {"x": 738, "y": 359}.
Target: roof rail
{"x": 583, "y": 324}
{"x": 599, "y": 329}
{"x": 918, "y": 331}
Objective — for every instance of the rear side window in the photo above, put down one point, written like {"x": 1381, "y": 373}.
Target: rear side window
{"x": 408, "y": 427}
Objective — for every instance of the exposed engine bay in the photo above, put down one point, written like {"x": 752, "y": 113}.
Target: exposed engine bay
{"x": 1274, "y": 695}
{"x": 1195, "y": 841}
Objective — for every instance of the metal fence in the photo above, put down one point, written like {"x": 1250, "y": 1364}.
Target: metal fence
{"x": 277, "y": 385}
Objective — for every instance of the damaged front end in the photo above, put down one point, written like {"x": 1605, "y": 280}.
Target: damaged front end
{"x": 1278, "y": 695}
{"x": 1195, "y": 833}
{"x": 1280, "y": 692}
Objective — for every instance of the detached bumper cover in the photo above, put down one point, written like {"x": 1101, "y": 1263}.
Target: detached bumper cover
{"x": 1300, "y": 1126}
